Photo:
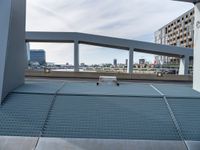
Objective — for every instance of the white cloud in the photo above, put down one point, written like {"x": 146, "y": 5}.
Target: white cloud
{"x": 133, "y": 19}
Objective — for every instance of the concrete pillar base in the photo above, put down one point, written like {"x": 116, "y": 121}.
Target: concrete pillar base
{"x": 184, "y": 66}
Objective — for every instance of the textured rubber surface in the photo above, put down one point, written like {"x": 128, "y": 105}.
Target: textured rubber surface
{"x": 39, "y": 87}
{"x": 125, "y": 89}
{"x": 23, "y": 115}
{"x": 110, "y": 118}
{"x": 105, "y": 112}
{"x": 172, "y": 90}
{"x": 187, "y": 113}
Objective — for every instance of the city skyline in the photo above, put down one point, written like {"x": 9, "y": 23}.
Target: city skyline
{"x": 129, "y": 21}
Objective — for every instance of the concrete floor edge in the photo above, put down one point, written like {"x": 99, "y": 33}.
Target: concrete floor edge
{"x": 30, "y": 143}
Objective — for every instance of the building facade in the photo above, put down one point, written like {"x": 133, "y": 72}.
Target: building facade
{"x": 179, "y": 32}
{"x": 38, "y": 56}
{"x": 142, "y": 61}
{"x": 115, "y": 62}
{"x": 126, "y": 62}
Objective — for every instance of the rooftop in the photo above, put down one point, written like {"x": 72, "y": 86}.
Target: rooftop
{"x": 81, "y": 110}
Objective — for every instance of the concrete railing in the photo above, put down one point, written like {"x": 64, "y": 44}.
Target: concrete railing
{"x": 120, "y": 76}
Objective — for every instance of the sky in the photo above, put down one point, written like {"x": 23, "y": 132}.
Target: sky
{"x": 130, "y": 19}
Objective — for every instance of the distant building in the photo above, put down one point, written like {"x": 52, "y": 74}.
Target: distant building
{"x": 141, "y": 61}
{"x": 115, "y": 62}
{"x": 179, "y": 32}
{"x": 126, "y": 62}
{"x": 38, "y": 56}
{"x": 82, "y": 65}
{"x": 157, "y": 60}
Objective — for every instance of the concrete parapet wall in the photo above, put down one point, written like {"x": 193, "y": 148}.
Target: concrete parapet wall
{"x": 120, "y": 76}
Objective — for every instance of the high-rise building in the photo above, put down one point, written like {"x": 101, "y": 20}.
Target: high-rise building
{"x": 126, "y": 62}
{"x": 38, "y": 55}
{"x": 115, "y": 62}
{"x": 179, "y": 32}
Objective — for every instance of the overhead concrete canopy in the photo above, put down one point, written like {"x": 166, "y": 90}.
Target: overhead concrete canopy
{"x": 190, "y": 1}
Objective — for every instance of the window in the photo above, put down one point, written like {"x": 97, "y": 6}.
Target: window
{"x": 165, "y": 30}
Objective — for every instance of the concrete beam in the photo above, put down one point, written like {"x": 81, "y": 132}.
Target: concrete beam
{"x": 184, "y": 66}
{"x": 196, "y": 66}
{"x": 76, "y": 56}
{"x": 13, "y": 56}
{"x": 130, "y": 64}
{"x": 110, "y": 42}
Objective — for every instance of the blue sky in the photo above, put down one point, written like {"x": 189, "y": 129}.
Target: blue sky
{"x": 131, "y": 19}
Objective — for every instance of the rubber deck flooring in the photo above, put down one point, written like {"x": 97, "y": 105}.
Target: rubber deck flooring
{"x": 84, "y": 110}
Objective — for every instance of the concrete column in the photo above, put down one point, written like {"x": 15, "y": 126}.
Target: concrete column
{"x": 28, "y": 50}
{"x": 130, "y": 64}
{"x": 76, "y": 56}
{"x": 13, "y": 56}
{"x": 184, "y": 66}
{"x": 196, "y": 66}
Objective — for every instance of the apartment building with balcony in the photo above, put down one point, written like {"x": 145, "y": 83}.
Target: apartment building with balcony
{"x": 179, "y": 32}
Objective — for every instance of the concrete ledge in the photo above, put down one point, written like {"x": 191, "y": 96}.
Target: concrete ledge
{"x": 101, "y": 144}
{"x": 193, "y": 145}
{"x": 17, "y": 143}
{"x": 120, "y": 76}
{"x": 36, "y": 143}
